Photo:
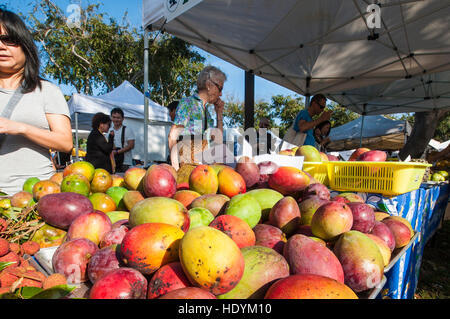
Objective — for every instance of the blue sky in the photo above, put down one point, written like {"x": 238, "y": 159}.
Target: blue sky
{"x": 234, "y": 87}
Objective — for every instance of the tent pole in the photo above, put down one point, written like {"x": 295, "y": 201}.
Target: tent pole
{"x": 249, "y": 107}
{"x": 76, "y": 136}
{"x": 360, "y": 134}
{"x": 362, "y": 125}
{"x": 307, "y": 100}
{"x": 146, "y": 48}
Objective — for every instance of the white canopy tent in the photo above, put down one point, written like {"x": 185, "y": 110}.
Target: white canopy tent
{"x": 377, "y": 132}
{"x": 418, "y": 94}
{"x": 131, "y": 101}
{"x": 369, "y": 61}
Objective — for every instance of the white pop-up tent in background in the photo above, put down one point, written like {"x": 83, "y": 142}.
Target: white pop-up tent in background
{"x": 131, "y": 101}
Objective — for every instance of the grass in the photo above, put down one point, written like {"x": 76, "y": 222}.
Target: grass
{"x": 434, "y": 276}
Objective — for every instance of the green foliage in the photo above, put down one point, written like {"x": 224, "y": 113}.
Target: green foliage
{"x": 233, "y": 113}
{"x": 56, "y": 292}
{"x": 96, "y": 55}
{"x": 102, "y": 53}
{"x": 281, "y": 111}
{"x": 442, "y": 133}
{"x": 286, "y": 109}
{"x": 341, "y": 115}
{"x": 173, "y": 69}
{"x": 3, "y": 265}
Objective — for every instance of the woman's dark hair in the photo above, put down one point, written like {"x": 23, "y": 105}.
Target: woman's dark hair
{"x": 17, "y": 30}
{"x": 321, "y": 125}
{"x": 173, "y": 105}
{"x": 317, "y": 98}
{"x": 117, "y": 110}
{"x": 100, "y": 118}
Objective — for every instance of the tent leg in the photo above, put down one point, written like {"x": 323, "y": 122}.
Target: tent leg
{"x": 146, "y": 49}
{"x": 76, "y": 137}
{"x": 361, "y": 133}
{"x": 249, "y": 107}
{"x": 362, "y": 125}
{"x": 307, "y": 100}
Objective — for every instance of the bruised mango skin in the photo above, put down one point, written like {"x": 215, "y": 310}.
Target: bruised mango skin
{"x": 309, "y": 287}
{"x": 211, "y": 260}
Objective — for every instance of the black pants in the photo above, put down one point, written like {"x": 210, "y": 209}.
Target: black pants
{"x": 122, "y": 168}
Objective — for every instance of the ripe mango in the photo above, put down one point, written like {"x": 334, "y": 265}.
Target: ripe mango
{"x": 263, "y": 265}
{"x": 266, "y": 198}
{"x": 159, "y": 210}
{"x": 361, "y": 260}
{"x": 211, "y": 259}
{"x": 307, "y": 256}
{"x": 331, "y": 219}
{"x": 288, "y": 180}
{"x": 203, "y": 180}
{"x": 246, "y": 207}
{"x": 309, "y": 287}
{"x": 215, "y": 203}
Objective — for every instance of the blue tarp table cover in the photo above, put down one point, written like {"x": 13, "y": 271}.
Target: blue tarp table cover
{"x": 424, "y": 208}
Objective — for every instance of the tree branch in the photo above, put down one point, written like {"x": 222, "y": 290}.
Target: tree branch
{"x": 79, "y": 56}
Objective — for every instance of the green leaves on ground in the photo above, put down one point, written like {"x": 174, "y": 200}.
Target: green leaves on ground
{"x": 56, "y": 292}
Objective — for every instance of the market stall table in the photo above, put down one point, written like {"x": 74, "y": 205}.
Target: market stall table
{"x": 424, "y": 208}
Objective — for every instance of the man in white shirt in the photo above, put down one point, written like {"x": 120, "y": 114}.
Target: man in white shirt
{"x": 122, "y": 146}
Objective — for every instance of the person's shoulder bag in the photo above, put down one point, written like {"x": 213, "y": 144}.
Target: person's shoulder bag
{"x": 293, "y": 137}
{"x": 8, "y": 110}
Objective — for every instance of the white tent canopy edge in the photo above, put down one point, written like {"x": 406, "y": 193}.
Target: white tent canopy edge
{"x": 333, "y": 50}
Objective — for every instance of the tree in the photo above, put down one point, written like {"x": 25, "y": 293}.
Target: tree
{"x": 425, "y": 125}
{"x": 234, "y": 113}
{"x": 442, "y": 133}
{"x": 341, "y": 115}
{"x": 286, "y": 109}
{"x": 281, "y": 111}
{"x": 95, "y": 55}
{"x": 101, "y": 53}
{"x": 173, "y": 69}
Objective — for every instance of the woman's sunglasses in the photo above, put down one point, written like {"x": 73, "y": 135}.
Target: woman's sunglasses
{"x": 220, "y": 88}
{"x": 8, "y": 40}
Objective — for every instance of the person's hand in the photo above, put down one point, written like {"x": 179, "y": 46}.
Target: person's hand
{"x": 10, "y": 127}
{"x": 325, "y": 116}
{"x": 219, "y": 105}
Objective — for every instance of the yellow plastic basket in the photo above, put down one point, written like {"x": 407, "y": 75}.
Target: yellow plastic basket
{"x": 387, "y": 178}
{"x": 318, "y": 170}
